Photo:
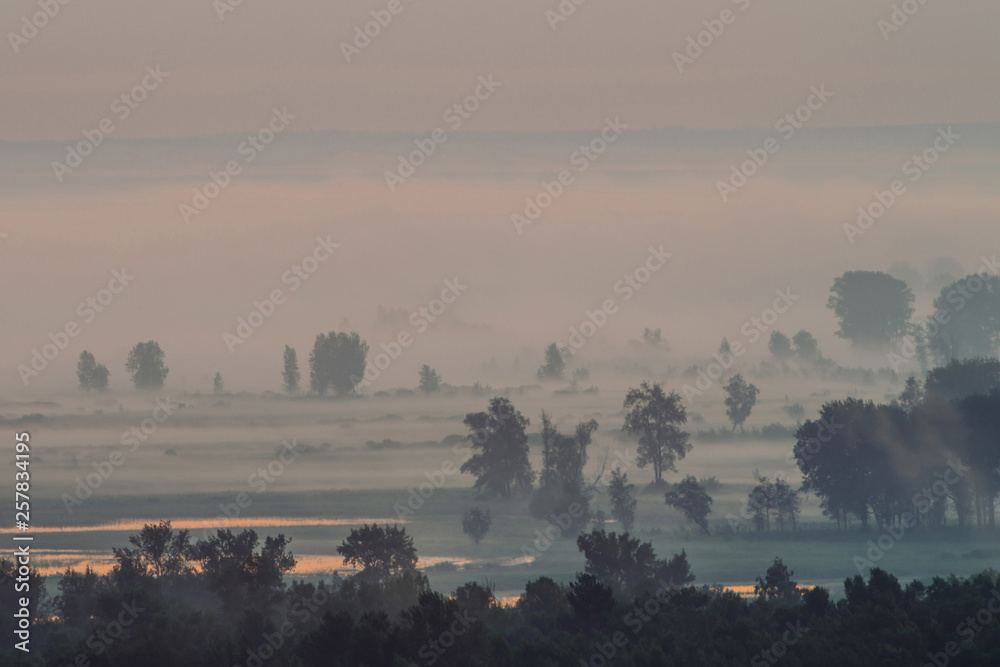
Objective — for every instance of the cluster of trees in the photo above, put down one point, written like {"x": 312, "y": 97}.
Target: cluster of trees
{"x": 225, "y": 601}
{"x": 773, "y": 499}
{"x": 655, "y": 418}
{"x": 561, "y": 482}
{"x": 911, "y": 462}
{"x": 874, "y": 311}
{"x": 337, "y": 362}
{"x": 623, "y": 500}
{"x": 873, "y": 308}
{"x": 690, "y": 497}
{"x": 91, "y": 374}
{"x": 144, "y": 365}
{"x": 554, "y": 365}
{"x": 500, "y": 462}
{"x": 802, "y": 346}
{"x": 500, "y": 445}
{"x": 741, "y": 396}
{"x": 430, "y": 380}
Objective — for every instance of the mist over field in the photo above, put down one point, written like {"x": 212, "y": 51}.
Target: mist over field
{"x": 406, "y": 333}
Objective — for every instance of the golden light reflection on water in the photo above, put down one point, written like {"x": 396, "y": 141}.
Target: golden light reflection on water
{"x": 51, "y": 562}
{"x": 55, "y": 562}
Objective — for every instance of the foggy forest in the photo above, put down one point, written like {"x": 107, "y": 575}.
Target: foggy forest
{"x": 545, "y": 334}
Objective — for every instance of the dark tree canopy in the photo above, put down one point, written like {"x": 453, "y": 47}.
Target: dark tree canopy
{"x": 897, "y": 466}
{"x": 724, "y": 347}
{"x": 963, "y": 378}
{"x": 561, "y": 482}
{"x": 653, "y": 337}
{"x": 145, "y": 365}
{"x": 290, "y": 375}
{"x": 912, "y": 394}
{"x": 91, "y": 374}
{"x": 627, "y": 565}
{"x": 656, "y": 417}
{"x": 623, "y": 501}
{"x": 476, "y": 523}
{"x": 337, "y": 361}
{"x": 805, "y": 346}
{"x": 239, "y": 574}
{"x": 777, "y": 584}
{"x": 543, "y": 596}
{"x": 554, "y": 365}
{"x": 691, "y": 499}
{"x": 430, "y": 381}
{"x": 873, "y": 308}
{"x": 500, "y": 462}
{"x": 381, "y": 553}
{"x": 741, "y": 396}
{"x": 847, "y": 458}
{"x": 591, "y": 600}
{"x": 777, "y": 499}
{"x": 966, "y": 321}
{"x": 779, "y": 345}
{"x": 157, "y": 552}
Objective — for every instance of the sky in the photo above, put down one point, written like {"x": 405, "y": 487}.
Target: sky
{"x": 203, "y": 81}
{"x": 228, "y": 68}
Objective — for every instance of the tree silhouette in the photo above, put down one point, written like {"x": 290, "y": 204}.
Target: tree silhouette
{"x": 337, "y": 361}
{"x": 239, "y": 574}
{"x": 158, "y": 552}
{"x": 849, "y": 458}
{"x": 912, "y": 394}
{"x": 690, "y": 498}
{"x": 966, "y": 322}
{"x": 561, "y": 479}
{"x": 91, "y": 374}
{"x": 769, "y": 497}
{"x": 805, "y": 346}
{"x": 500, "y": 462}
{"x": 963, "y": 378}
{"x": 873, "y": 308}
{"x": 476, "y": 523}
{"x": 655, "y": 418}
{"x": 779, "y": 345}
{"x": 554, "y": 364}
{"x": 145, "y": 365}
{"x": 627, "y": 565}
{"x": 777, "y": 584}
{"x": 591, "y": 600}
{"x": 741, "y": 396}
{"x": 291, "y": 375}
{"x": 623, "y": 501}
{"x": 382, "y": 553}
{"x": 430, "y": 381}
{"x": 724, "y": 347}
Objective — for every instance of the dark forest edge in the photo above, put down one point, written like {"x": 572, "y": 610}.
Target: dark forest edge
{"x": 225, "y": 601}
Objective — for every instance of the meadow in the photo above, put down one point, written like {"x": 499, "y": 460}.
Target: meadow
{"x": 216, "y": 462}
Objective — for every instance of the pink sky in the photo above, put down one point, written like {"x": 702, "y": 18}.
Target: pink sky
{"x": 606, "y": 58}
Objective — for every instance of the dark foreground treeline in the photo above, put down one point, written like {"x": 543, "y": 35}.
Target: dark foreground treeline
{"x": 224, "y": 601}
